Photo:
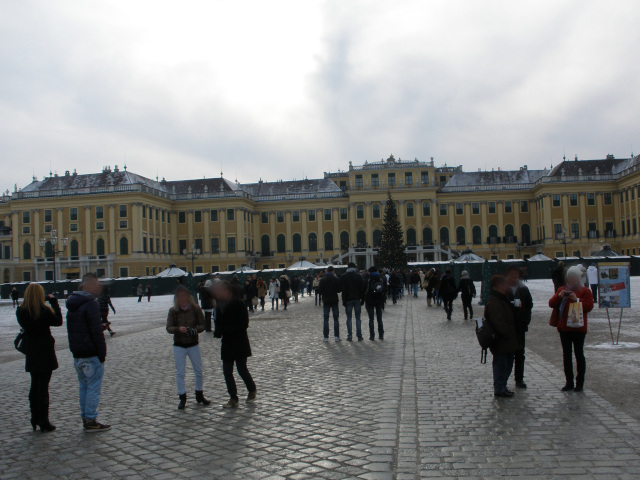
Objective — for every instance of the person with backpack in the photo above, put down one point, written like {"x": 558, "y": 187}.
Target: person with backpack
{"x": 572, "y": 335}
{"x": 414, "y": 282}
{"x": 330, "y": 287}
{"x": 498, "y": 313}
{"x": 396, "y": 283}
{"x": 352, "y": 299}
{"x": 36, "y": 319}
{"x": 467, "y": 291}
{"x": 374, "y": 298}
{"x": 448, "y": 292}
{"x": 520, "y": 297}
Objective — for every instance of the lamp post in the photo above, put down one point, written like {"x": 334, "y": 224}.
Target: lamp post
{"x": 192, "y": 255}
{"x": 53, "y": 238}
{"x": 563, "y": 238}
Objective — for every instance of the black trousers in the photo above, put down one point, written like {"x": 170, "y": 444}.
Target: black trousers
{"x": 519, "y": 359}
{"x": 466, "y": 305}
{"x": 243, "y": 371}
{"x": 39, "y": 397}
{"x": 207, "y": 321}
{"x": 573, "y": 342}
{"x": 594, "y": 291}
{"x": 448, "y": 307}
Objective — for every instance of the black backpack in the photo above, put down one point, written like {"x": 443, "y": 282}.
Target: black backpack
{"x": 486, "y": 338}
{"x": 376, "y": 287}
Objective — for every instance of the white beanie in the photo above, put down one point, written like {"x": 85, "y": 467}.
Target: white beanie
{"x": 575, "y": 270}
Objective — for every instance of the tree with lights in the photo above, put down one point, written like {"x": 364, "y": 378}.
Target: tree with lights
{"x": 391, "y": 253}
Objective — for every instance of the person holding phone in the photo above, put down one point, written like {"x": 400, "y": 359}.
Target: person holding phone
{"x": 36, "y": 318}
{"x": 520, "y": 297}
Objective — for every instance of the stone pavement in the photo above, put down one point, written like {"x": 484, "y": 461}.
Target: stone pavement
{"x": 418, "y": 405}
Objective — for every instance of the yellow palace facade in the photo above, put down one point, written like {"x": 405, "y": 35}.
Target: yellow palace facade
{"x": 121, "y": 224}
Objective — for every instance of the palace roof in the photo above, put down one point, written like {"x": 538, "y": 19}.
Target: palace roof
{"x": 495, "y": 179}
{"x": 106, "y": 178}
{"x": 607, "y": 166}
{"x": 321, "y": 186}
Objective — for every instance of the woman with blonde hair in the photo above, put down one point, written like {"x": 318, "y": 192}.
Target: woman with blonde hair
{"x": 36, "y": 318}
{"x": 185, "y": 322}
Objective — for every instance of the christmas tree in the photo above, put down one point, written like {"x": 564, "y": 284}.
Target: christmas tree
{"x": 391, "y": 254}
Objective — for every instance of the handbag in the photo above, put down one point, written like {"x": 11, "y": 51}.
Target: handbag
{"x": 20, "y": 342}
{"x": 254, "y": 301}
{"x": 555, "y": 315}
{"x": 575, "y": 319}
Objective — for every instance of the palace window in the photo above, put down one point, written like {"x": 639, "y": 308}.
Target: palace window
{"x": 295, "y": 215}
{"x": 327, "y": 214}
{"x": 359, "y": 211}
{"x": 280, "y": 217}
{"x": 343, "y": 214}
{"x": 556, "y": 200}
{"x": 443, "y": 209}
{"x": 47, "y": 229}
{"x": 575, "y": 230}
{"x": 591, "y": 199}
{"x": 410, "y": 209}
{"x": 47, "y": 215}
{"x": 391, "y": 178}
{"x": 492, "y": 207}
{"x": 376, "y": 210}
{"x": 508, "y": 206}
{"x": 426, "y": 209}
{"x": 524, "y": 206}
{"x": 408, "y": 178}
{"x": 231, "y": 215}
{"x": 215, "y": 245}
{"x": 73, "y": 214}
{"x": 312, "y": 215}
{"x": 573, "y": 200}
{"x": 264, "y": 217}
{"x": 122, "y": 211}
{"x": 375, "y": 180}
{"x": 475, "y": 208}
{"x": 424, "y": 178}
{"x": 99, "y": 213}
{"x": 231, "y": 245}
{"x": 359, "y": 181}
{"x": 607, "y": 199}
{"x": 197, "y": 216}
{"x": 99, "y": 225}
{"x": 459, "y": 209}
{"x": 213, "y": 216}
{"x": 73, "y": 227}
{"x": 123, "y": 224}
{"x": 26, "y": 230}
{"x": 182, "y": 217}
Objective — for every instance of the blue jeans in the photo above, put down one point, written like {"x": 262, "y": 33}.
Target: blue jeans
{"x": 502, "y": 367}
{"x": 180, "y": 355}
{"x": 350, "y": 307}
{"x": 414, "y": 289}
{"x": 90, "y": 372}
{"x": 336, "y": 326}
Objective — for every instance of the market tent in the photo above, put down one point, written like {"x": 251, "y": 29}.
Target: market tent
{"x": 172, "y": 271}
{"x": 539, "y": 257}
{"x": 245, "y": 269}
{"x": 606, "y": 252}
{"x": 302, "y": 265}
{"x": 469, "y": 257}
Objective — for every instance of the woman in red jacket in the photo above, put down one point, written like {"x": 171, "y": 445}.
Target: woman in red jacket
{"x": 572, "y": 337}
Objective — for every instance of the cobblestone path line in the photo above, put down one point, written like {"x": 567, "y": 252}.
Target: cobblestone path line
{"x": 418, "y": 405}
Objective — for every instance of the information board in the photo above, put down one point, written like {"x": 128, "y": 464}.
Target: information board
{"x": 614, "y": 285}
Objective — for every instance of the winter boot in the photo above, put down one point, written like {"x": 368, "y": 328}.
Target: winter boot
{"x": 183, "y": 401}
{"x": 428, "y": 301}
{"x": 200, "y": 398}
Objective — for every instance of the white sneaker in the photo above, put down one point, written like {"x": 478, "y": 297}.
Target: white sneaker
{"x": 326, "y": 339}
{"x": 338, "y": 339}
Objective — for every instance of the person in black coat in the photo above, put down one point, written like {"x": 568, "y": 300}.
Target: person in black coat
{"x": 232, "y": 321}
{"x": 374, "y": 297}
{"x": 520, "y": 297}
{"x": 467, "y": 291}
{"x": 330, "y": 287}
{"x": 36, "y": 318}
{"x": 353, "y": 298}
{"x": 105, "y": 302}
{"x": 248, "y": 294}
{"x": 14, "y": 297}
{"x": 448, "y": 291}
{"x": 285, "y": 286}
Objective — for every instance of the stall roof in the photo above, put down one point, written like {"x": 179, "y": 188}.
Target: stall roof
{"x": 172, "y": 271}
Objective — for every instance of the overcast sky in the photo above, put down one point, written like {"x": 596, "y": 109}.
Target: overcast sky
{"x": 287, "y": 89}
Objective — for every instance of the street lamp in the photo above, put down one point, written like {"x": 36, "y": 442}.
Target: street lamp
{"x": 563, "y": 238}
{"x": 54, "y": 251}
{"x": 192, "y": 255}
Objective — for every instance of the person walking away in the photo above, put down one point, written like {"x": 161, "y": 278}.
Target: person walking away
{"x": 274, "y": 292}
{"x": 467, "y": 291}
{"x": 525, "y": 274}
{"x": 36, "y": 319}
{"x": 147, "y": 292}
{"x": 207, "y": 304}
{"x": 185, "y": 322}
{"x": 558, "y": 276}
{"x": 231, "y": 327}
{"x": 329, "y": 289}
{"x": 396, "y": 283}
{"x": 248, "y": 294}
{"x": 422, "y": 275}
{"x": 572, "y": 333}
{"x": 414, "y": 280}
{"x": 295, "y": 288}
{"x": 285, "y": 286}
{"x": 262, "y": 291}
{"x": 104, "y": 300}
{"x": 14, "y": 297}
{"x": 374, "y": 298}
{"x": 448, "y": 291}
{"x": 316, "y": 290}
{"x": 353, "y": 289}
{"x": 139, "y": 292}
{"x": 437, "y": 277}
{"x": 592, "y": 277}
{"x": 309, "y": 281}
{"x": 498, "y": 312}
{"x": 429, "y": 281}
{"x": 89, "y": 349}
{"x": 520, "y": 297}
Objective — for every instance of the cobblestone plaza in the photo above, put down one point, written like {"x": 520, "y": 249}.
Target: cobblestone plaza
{"x": 418, "y": 405}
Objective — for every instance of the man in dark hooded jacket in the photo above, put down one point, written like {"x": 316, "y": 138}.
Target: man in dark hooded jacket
{"x": 89, "y": 349}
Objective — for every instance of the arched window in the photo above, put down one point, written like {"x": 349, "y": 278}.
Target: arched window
{"x": 313, "y": 242}
{"x": 493, "y": 234}
{"x": 526, "y": 233}
{"x": 281, "y": 243}
{"x": 476, "y": 232}
{"x": 411, "y": 237}
{"x": 124, "y": 246}
{"x": 344, "y": 240}
{"x": 100, "y": 247}
{"x": 328, "y": 241}
{"x": 73, "y": 249}
{"x": 461, "y": 237}
{"x": 509, "y": 233}
{"x": 361, "y": 238}
{"x": 26, "y": 251}
{"x": 377, "y": 238}
{"x": 427, "y": 236}
{"x": 444, "y": 236}
{"x": 297, "y": 242}
{"x": 265, "y": 246}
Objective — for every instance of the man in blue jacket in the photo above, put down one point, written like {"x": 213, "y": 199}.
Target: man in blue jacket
{"x": 89, "y": 349}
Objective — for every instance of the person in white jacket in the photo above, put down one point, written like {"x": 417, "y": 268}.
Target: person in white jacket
{"x": 592, "y": 276}
{"x": 274, "y": 292}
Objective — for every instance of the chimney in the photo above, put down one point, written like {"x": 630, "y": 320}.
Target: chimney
{"x": 67, "y": 173}
{"x": 116, "y": 169}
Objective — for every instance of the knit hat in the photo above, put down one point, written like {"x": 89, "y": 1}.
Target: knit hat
{"x": 464, "y": 274}
{"x": 574, "y": 271}
{"x": 207, "y": 283}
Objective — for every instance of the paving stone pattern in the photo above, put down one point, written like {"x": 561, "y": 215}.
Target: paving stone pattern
{"x": 418, "y": 405}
